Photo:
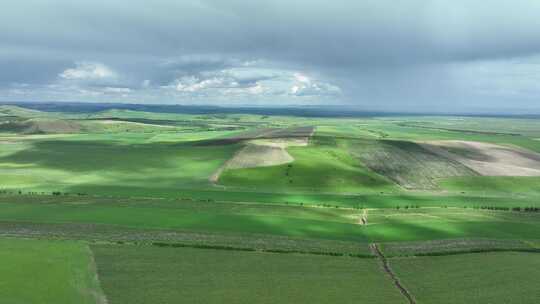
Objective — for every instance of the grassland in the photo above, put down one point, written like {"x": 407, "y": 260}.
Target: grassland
{"x": 322, "y": 167}
{"x": 80, "y": 165}
{"x": 137, "y": 188}
{"x": 195, "y": 216}
{"x": 346, "y": 156}
{"x": 518, "y": 186}
{"x": 40, "y": 272}
{"x": 503, "y": 277}
{"x": 384, "y": 225}
{"x": 132, "y": 274}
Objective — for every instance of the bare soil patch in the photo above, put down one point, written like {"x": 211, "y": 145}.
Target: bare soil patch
{"x": 41, "y": 126}
{"x": 266, "y": 133}
{"x": 282, "y": 142}
{"x": 265, "y": 153}
{"x": 489, "y": 159}
{"x": 264, "y": 148}
{"x": 115, "y": 122}
{"x": 257, "y": 154}
{"x": 254, "y": 155}
{"x": 408, "y": 164}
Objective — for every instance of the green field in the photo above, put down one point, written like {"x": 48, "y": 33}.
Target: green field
{"x": 47, "y": 272}
{"x": 82, "y": 166}
{"x": 384, "y": 225}
{"x": 152, "y": 196}
{"x": 163, "y": 275}
{"x": 508, "y": 277}
{"x": 322, "y": 167}
{"x": 407, "y": 163}
{"x": 517, "y": 186}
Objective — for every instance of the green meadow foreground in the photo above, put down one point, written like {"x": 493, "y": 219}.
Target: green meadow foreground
{"x": 131, "y": 275}
{"x": 122, "y": 206}
{"x": 495, "y": 277}
{"x": 37, "y": 271}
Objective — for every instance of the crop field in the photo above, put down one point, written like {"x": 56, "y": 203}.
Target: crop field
{"x": 495, "y": 277}
{"x": 324, "y": 166}
{"x": 408, "y": 163}
{"x": 126, "y": 206}
{"x": 382, "y": 225}
{"x": 47, "y": 272}
{"x": 166, "y": 275}
{"x": 489, "y": 159}
{"x": 55, "y": 165}
{"x": 513, "y": 185}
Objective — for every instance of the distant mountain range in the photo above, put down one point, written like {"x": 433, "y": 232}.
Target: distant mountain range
{"x": 302, "y": 111}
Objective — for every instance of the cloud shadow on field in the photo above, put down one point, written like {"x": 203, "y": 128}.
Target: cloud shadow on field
{"x": 90, "y": 156}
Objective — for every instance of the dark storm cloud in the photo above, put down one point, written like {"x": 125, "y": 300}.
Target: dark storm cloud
{"x": 17, "y": 70}
{"x": 375, "y": 53}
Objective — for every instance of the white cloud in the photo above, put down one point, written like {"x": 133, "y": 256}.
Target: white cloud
{"x": 253, "y": 81}
{"x": 306, "y": 86}
{"x": 257, "y": 89}
{"x": 90, "y": 93}
{"x": 302, "y": 78}
{"x": 117, "y": 90}
{"x": 88, "y": 71}
{"x": 243, "y": 82}
{"x": 193, "y": 84}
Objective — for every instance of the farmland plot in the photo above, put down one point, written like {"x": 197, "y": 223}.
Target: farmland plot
{"x": 489, "y": 159}
{"x": 42, "y": 272}
{"x": 323, "y": 166}
{"x": 140, "y": 274}
{"x": 502, "y": 277}
{"x": 407, "y": 163}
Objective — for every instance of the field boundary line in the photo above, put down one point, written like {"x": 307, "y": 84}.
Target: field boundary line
{"x": 363, "y": 220}
{"x": 158, "y": 243}
{"x": 99, "y": 294}
{"x": 386, "y": 267}
{"x": 194, "y": 240}
{"x": 252, "y": 249}
{"x": 472, "y": 251}
{"x": 214, "y": 178}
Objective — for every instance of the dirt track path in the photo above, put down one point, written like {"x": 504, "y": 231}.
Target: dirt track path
{"x": 363, "y": 220}
{"x": 386, "y": 267}
{"x": 215, "y": 176}
{"x": 97, "y": 293}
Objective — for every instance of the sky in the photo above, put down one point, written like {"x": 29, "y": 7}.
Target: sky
{"x": 387, "y": 55}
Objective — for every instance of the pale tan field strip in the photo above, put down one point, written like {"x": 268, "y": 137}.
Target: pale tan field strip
{"x": 41, "y": 126}
{"x": 489, "y": 159}
{"x": 123, "y": 122}
{"x": 258, "y": 155}
{"x": 268, "y": 148}
{"x": 265, "y": 152}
